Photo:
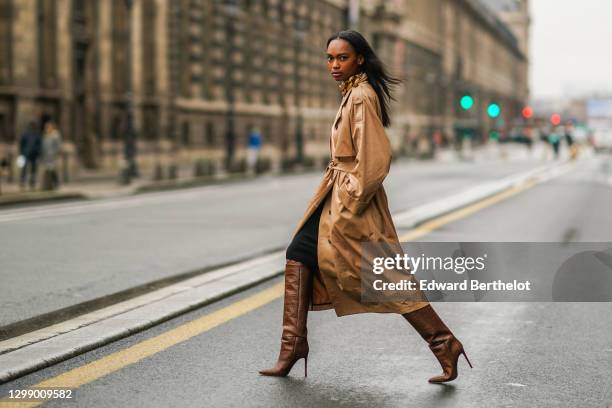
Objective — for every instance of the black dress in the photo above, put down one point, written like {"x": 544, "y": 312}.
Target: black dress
{"x": 303, "y": 248}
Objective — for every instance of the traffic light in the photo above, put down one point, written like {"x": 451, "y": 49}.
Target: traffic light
{"x": 493, "y": 110}
{"x": 555, "y": 119}
{"x": 527, "y": 112}
{"x": 466, "y": 102}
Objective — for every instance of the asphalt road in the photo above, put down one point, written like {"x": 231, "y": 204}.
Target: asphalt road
{"x": 60, "y": 255}
{"x": 524, "y": 354}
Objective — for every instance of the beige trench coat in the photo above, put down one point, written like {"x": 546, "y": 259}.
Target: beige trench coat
{"x": 355, "y": 205}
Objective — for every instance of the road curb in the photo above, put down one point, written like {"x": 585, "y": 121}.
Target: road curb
{"x": 39, "y": 197}
{"x": 33, "y": 351}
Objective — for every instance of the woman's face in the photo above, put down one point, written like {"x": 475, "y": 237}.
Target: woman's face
{"x": 342, "y": 60}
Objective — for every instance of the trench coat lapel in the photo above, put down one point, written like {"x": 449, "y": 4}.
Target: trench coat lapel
{"x": 340, "y": 142}
{"x": 339, "y": 113}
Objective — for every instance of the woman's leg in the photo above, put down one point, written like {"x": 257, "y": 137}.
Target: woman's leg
{"x": 301, "y": 262}
{"x": 303, "y": 248}
{"x": 441, "y": 340}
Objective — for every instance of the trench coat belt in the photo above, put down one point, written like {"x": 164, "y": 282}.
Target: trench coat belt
{"x": 341, "y": 166}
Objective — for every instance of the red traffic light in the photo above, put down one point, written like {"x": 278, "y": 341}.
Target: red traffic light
{"x": 555, "y": 119}
{"x": 527, "y": 112}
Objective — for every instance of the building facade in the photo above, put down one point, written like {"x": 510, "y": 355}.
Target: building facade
{"x": 198, "y": 75}
{"x": 446, "y": 49}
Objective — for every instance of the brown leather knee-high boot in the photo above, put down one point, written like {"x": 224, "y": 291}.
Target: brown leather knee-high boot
{"x": 442, "y": 342}
{"x": 294, "y": 345}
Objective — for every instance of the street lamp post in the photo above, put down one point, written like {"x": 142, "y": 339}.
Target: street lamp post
{"x": 130, "y": 168}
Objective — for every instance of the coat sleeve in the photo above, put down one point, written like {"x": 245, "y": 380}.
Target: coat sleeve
{"x": 373, "y": 155}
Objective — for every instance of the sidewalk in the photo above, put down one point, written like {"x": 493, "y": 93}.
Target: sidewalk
{"x": 101, "y": 185}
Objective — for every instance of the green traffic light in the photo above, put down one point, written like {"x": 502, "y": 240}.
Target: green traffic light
{"x": 493, "y": 110}
{"x": 466, "y": 102}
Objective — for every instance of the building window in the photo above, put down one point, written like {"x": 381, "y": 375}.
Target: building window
{"x": 150, "y": 123}
{"x": 121, "y": 38}
{"x": 78, "y": 11}
{"x": 209, "y": 137}
{"x": 148, "y": 47}
{"x": 183, "y": 48}
{"x": 116, "y": 129}
{"x": 185, "y": 136}
{"x": 47, "y": 46}
{"x": 6, "y": 41}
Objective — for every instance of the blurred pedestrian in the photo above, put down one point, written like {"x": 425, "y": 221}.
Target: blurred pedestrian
{"x": 554, "y": 138}
{"x": 51, "y": 151}
{"x": 569, "y": 139}
{"x": 437, "y": 138}
{"x": 528, "y": 135}
{"x": 324, "y": 258}
{"x": 29, "y": 152}
{"x": 466, "y": 146}
{"x": 254, "y": 146}
{"x": 424, "y": 147}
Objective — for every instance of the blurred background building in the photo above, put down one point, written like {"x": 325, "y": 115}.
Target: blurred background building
{"x": 194, "y": 77}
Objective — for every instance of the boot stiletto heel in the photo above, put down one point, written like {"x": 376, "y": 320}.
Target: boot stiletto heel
{"x": 466, "y": 358}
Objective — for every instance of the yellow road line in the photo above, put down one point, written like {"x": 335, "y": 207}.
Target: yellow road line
{"x": 99, "y": 368}
{"x": 436, "y": 223}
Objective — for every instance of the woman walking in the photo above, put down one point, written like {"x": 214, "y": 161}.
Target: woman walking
{"x": 349, "y": 208}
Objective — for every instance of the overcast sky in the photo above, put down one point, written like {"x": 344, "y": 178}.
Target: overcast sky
{"x": 571, "y": 47}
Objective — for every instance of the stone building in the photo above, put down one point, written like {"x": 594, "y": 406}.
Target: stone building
{"x": 197, "y": 75}
{"x": 446, "y": 49}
